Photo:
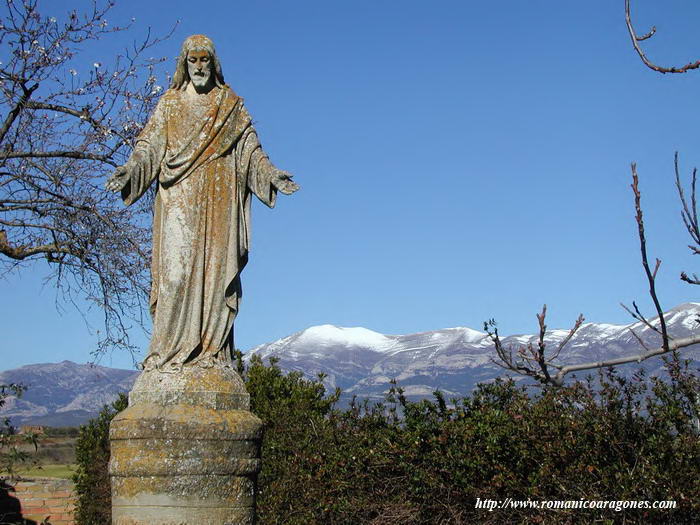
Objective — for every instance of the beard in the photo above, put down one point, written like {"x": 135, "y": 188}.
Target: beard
{"x": 200, "y": 79}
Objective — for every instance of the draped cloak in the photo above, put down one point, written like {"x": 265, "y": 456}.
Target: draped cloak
{"x": 204, "y": 155}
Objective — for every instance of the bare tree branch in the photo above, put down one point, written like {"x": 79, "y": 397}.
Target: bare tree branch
{"x": 523, "y": 363}
{"x": 534, "y": 362}
{"x": 83, "y": 114}
{"x": 639, "y": 340}
{"x": 58, "y": 154}
{"x": 577, "y": 324}
{"x": 676, "y": 344}
{"x": 635, "y": 42}
{"x": 22, "y": 252}
{"x": 651, "y": 277}
{"x": 690, "y": 280}
{"x": 14, "y": 113}
{"x": 637, "y": 314}
{"x": 689, "y": 214}
{"x": 64, "y": 127}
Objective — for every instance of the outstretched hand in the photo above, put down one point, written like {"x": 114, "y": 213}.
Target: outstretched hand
{"x": 118, "y": 180}
{"x": 282, "y": 180}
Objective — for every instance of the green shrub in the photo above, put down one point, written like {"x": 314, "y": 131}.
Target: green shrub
{"x": 12, "y": 454}
{"x": 295, "y": 413}
{"x": 427, "y": 462}
{"x": 94, "y": 505}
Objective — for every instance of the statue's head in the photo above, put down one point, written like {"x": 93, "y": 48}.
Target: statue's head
{"x": 198, "y": 64}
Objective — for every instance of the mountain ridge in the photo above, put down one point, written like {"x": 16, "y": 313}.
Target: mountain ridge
{"x": 456, "y": 359}
{"x": 359, "y": 361}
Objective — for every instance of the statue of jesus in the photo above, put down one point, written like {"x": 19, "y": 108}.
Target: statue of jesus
{"x": 202, "y": 151}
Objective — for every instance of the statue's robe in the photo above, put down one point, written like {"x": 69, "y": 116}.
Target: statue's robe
{"x": 203, "y": 153}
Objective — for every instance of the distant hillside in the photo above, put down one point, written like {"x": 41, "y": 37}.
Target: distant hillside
{"x": 63, "y": 394}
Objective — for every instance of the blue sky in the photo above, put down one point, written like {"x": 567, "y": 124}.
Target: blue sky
{"x": 458, "y": 160}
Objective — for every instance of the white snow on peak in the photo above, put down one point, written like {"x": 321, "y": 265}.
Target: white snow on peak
{"x": 601, "y": 330}
{"x": 469, "y": 335}
{"x": 318, "y": 340}
{"x": 557, "y": 333}
{"x": 606, "y": 327}
{"x": 522, "y": 339}
{"x": 690, "y": 322}
{"x": 689, "y": 306}
{"x": 329, "y": 334}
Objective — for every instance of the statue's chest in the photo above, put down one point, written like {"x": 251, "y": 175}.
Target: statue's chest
{"x": 187, "y": 119}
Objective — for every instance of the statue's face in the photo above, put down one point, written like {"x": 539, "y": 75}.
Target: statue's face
{"x": 199, "y": 68}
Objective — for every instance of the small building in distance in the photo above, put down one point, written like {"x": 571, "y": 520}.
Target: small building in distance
{"x": 32, "y": 429}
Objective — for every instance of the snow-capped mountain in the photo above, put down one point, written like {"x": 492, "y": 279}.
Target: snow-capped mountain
{"x": 361, "y": 362}
{"x": 357, "y": 360}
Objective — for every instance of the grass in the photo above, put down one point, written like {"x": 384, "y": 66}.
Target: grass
{"x": 54, "y": 457}
{"x": 47, "y": 471}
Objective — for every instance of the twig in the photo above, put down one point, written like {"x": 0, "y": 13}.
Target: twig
{"x": 642, "y": 242}
{"x": 639, "y": 339}
{"x": 635, "y": 42}
{"x": 541, "y": 344}
{"x": 57, "y": 154}
{"x": 689, "y": 214}
{"x": 676, "y": 344}
{"x": 577, "y": 324}
{"x": 27, "y": 92}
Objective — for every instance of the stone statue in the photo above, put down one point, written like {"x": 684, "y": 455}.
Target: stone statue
{"x": 187, "y": 448}
{"x": 202, "y": 151}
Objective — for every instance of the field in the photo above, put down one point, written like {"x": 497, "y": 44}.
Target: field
{"x": 48, "y": 471}
{"x": 53, "y": 458}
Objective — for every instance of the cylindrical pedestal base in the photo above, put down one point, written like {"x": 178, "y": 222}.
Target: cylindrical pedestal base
{"x": 186, "y": 451}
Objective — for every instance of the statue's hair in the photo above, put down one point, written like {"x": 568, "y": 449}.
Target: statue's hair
{"x": 196, "y": 43}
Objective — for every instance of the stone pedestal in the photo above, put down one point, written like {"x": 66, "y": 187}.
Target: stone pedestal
{"x": 186, "y": 451}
